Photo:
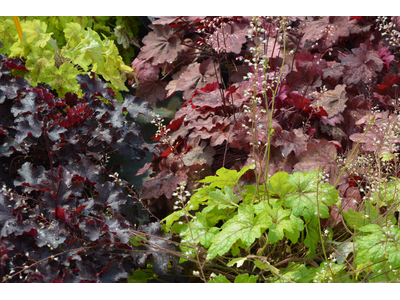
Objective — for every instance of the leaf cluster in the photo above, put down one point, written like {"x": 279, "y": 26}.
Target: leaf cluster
{"x": 57, "y": 49}
{"x": 61, "y": 217}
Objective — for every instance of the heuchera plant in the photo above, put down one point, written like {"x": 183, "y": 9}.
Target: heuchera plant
{"x": 60, "y": 206}
{"x": 329, "y": 74}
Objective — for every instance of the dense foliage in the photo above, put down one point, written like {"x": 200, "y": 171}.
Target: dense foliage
{"x": 60, "y": 206}
{"x": 280, "y": 166}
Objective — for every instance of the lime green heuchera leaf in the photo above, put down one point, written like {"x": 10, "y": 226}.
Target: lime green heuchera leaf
{"x": 37, "y": 62}
{"x": 301, "y": 274}
{"x": 243, "y": 226}
{"x": 73, "y": 34}
{"x": 245, "y": 278}
{"x": 381, "y": 243}
{"x": 225, "y": 177}
{"x": 200, "y": 230}
{"x": 279, "y": 185}
{"x": 364, "y": 217}
{"x": 62, "y": 79}
{"x": 111, "y": 65}
{"x": 225, "y": 199}
{"x": 284, "y": 221}
{"x": 198, "y": 198}
{"x": 308, "y": 193}
{"x": 34, "y": 34}
{"x": 8, "y": 33}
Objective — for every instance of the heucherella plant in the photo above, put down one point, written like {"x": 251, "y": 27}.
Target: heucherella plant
{"x": 57, "y": 49}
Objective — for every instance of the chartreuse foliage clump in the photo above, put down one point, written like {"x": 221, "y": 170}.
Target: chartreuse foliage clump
{"x": 236, "y": 234}
{"x": 57, "y": 49}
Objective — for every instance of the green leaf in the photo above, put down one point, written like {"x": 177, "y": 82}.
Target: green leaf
{"x": 8, "y": 34}
{"x": 138, "y": 240}
{"x": 365, "y": 217}
{"x": 310, "y": 192}
{"x": 279, "y": 185}
{"x": 312, "y": 236}
{"x": 139, "y": 276}
{"x": 37, "y": 62}
{"x": 62, "y": 79}
{"x": 248, "y": 192}
{"x": 263, "y": 264}
{"x": 243, "y": 226}
{"x": 219, "y": 279}
{"x": 239, "y": 261}
{"x": 245, "y": 278}
{"x": 222, "y": 200}
{"x": 34, "y": 34}
{"x": 284, "y": 221}
{"x": 111, "y": 65}
{"x": 73, "y": 34}
{"x": 225, "y": 177}
{"x": 301, "y": 274}
{"x": 200, "y": 231}
{"x": 381, "y": 243}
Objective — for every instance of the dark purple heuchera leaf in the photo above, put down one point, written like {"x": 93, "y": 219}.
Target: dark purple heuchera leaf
{"x": 159, "y": 259}
{"x": 17, "y": 228}
{"x": 27, "y": 104}
{"x": 84, "y": 168}
{"x": 9, "y": 88}
{"x": 110, "y": 194}
{"x": 362, "y": 65}
{"x": 29, "y": 126}
{"x": 112, "y": 272}
{"x": 163, "y": 45}
{"x": 136, "y": 106}
{"x": 45, "y": 95}
{"x": 119, "y": 230}
{"x": 55, "y": 131}
{"x": 94, "y": 86}
{"x": 15, "y": 63}
{"x": 54, "y": 210}
{"x": 31, "y": 178}
{"x": 6, "y": 207}
{"x": 50, "y": 237}
{"x": 130, "y": 141}
{"x": 91, "y": 229}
